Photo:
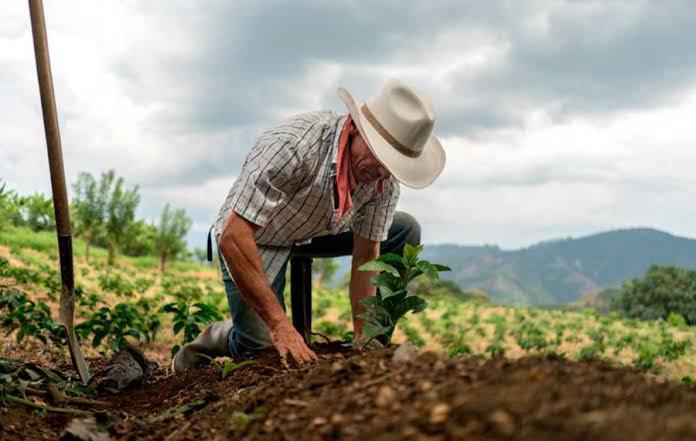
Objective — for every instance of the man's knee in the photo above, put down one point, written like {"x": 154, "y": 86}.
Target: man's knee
{"x": 404, "y": 229}
{"x": 409, "y": 227}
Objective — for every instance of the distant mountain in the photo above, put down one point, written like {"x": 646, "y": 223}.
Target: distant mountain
{"x": 560, "y": 271}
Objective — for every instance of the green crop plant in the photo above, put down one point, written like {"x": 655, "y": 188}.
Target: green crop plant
{"x": 111, "y": 282}
{"x": 647, "y": 355}
{"x": 142, "y": 284}
{"x": 392, "y": 300}
{"x": 28, "y": 318}
{"x": 529, "y": 336}
{"x": 669, "y": 349}
{"x": 496, "y": 348}
{"x": 413, "y": 336}
{"x": 189, "y": 314}
{"x": 115, "y": 324}
{"x": 458, "y": 348}
{"x": 677, "y": 320}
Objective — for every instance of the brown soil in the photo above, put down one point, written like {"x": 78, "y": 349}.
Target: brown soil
{"x": 367, "y": 396}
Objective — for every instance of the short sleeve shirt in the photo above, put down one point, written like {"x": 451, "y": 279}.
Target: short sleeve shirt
{"x": 287, "y": 187}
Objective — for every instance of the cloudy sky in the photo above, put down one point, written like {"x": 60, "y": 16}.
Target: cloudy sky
{"x": 559, "y": 118}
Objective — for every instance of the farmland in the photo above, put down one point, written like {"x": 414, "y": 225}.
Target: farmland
{"x": 130, "y": 301}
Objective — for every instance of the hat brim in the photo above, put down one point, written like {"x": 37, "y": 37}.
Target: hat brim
{"x": 417, "y": 172}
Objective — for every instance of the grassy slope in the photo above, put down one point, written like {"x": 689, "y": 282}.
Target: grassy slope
{"x": 450, "y": 325}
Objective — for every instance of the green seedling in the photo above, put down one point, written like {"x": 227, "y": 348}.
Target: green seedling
{"x": 393, "y": 300}
{"x": 229, "y": 366}
{"x": 115, "y": 324}
{"x": 189, "y": 318}
{"x": 28, "y": 318}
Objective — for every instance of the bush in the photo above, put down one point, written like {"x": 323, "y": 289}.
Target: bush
{"x": 661, "y": 292}
{"x": 136, "y": 319}
{"x": 28, "y": 318}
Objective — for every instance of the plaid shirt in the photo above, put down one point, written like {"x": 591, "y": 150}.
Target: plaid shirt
{"x": 288, "y": 187}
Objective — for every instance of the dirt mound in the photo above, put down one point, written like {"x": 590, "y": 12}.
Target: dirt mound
{"x": 368, "y": 396}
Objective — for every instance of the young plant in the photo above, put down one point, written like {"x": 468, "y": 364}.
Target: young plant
{"x": 393, "y": 300}
{"x": 189, "y": 314}
{"x": 28, "y": 318}
{"x": 135, "y": 319}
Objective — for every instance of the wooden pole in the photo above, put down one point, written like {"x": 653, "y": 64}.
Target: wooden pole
{"x": 60, "y": 194}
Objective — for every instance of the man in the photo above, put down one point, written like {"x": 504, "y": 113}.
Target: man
{"x": 318, "y": 184}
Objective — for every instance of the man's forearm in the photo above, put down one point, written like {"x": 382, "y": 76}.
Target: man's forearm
{"x": 360, "y": 288}
{"x": 239, "y": 249}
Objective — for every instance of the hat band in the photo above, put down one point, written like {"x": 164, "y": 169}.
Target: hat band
{"x": 388, "y": 136}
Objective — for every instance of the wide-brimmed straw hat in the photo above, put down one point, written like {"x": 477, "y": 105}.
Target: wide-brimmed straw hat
{"x": 397, "y": 125}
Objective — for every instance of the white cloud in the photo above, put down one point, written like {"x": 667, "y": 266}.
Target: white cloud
{"x": 551, "y": 127}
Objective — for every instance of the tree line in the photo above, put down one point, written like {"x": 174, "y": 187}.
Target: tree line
{"x": 103, "y": 214}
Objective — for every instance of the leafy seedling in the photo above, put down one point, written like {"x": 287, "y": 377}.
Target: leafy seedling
{"x": 230, "y": 366}
{"x": 392, "y": 301}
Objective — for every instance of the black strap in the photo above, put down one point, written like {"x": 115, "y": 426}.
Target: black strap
{"x": 210, "y": 244}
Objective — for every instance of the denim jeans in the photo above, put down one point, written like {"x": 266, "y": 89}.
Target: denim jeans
{"x": 249, "y": 332}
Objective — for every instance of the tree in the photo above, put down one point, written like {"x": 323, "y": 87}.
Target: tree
{"x": 139, "y": 239}
{"x": 9, "y": 207}
{"x": 89, "y": 207}
{"x": 169, "y": 241}
{"x": 120, "y": 213}
{"x": 324, "y": 270}
{"x": 664, "y": 290}
{"x": 37, "y": 212}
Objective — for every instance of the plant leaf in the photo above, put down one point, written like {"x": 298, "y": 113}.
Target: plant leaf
{"x": 441, "y": 268}
{"x": 376, "y": 265}
{"x": 371, "y": 330}
{"x": 392, "y": 259}
{"x": 390, "y": 281}
{"x": 229, "y": 366}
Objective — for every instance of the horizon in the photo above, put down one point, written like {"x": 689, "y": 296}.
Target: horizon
{"x": 551, "y": 128}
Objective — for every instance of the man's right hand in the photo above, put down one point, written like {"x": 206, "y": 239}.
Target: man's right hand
{"x": 287, "y": 340}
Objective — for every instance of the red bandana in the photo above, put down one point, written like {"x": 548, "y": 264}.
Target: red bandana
{"x": 345, "y": 180}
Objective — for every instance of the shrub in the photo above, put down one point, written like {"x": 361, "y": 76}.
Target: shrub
{"x": 136, "y": 319}
{"x": 662, "y": 291}
{"x": 112, "y": 282}
{"x": 28, "y": 318}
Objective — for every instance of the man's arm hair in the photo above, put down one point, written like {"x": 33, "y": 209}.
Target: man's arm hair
{"x": 238, "y": 247}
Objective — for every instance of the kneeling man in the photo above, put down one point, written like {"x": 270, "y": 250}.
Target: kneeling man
{"x": 319, "y": 185}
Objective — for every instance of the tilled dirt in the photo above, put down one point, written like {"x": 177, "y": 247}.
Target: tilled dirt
{"x": 350, "y": 396}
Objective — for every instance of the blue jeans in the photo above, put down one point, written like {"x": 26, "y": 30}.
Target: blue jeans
{"x": 249, "y": 332}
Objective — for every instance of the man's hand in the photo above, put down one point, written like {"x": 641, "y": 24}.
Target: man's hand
{"x": 287, "y": 340}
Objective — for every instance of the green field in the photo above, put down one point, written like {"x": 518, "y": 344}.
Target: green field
{"x": 123, "y": 302}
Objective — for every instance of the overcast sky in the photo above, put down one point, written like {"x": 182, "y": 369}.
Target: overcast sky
{"x": 559, "y": 118}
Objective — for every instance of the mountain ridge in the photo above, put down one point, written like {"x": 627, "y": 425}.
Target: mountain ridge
{"x": 559, "y": 271}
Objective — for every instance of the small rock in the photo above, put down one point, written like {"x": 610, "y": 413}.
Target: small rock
{"x": 438, "y": 414}
{"x": 337, "y": 418}
{"x": 337, "y": 367}
{"x": 409, "y": 432}
{"x": 425, "y": 385}
{"x": 502, "y": 422}
{"x": 318, "y": 421}
{"x": 385, "y": 396}
{"x": 404, "y": 353}
{"x": 84, "y": 429}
